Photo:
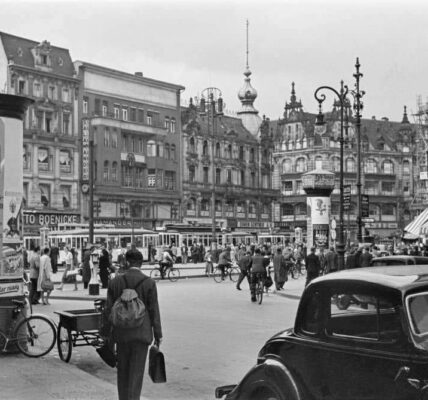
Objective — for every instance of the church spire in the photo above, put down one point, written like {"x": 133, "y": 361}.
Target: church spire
{"x": 247, "y": 95}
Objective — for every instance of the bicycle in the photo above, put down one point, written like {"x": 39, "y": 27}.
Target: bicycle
{"x": 34, "y": 336}
{"x": 232, "y": 271}
{"x": 296, "y": 270}
{"x": 173, "y": 273}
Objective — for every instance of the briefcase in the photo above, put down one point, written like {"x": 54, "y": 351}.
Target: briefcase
{"x": 156, "y": 365}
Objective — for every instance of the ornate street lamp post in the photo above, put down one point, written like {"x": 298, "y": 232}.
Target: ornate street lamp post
{"x": 343, "y": 101}
{"x": 212, "y": 105}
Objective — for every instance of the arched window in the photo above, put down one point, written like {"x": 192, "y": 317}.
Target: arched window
{"x": 301, "y": 164}
{"x": 106, "y": 171}
{"x": 167, "y": 151}
{"x": 114, "y": 171}
{"x": 192, "y": 145}
{"x": 350, "y": 165}
{"x": 335, "y": 163}
{"x": 205, "y": 148}
{"x": 318, "y": 162}
{"x": 286, "y": 166}
{"x": 228, "y": 151}
{"x": 370, "y": 166}
{"x": 172, "y": 155}
{"x": 151, "y": 148}
{"x": 191, "y": 204}
{"x": 217, "y": 150}
{"x": 388, "y": 167}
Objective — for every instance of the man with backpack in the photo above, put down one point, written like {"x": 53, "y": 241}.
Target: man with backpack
{"x": 133, "y": 318}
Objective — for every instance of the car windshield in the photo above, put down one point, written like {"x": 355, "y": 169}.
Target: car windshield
{"x": 417, "y": 308}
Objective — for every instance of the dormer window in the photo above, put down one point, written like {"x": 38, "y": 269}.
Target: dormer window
{"x": 44, "y": 59}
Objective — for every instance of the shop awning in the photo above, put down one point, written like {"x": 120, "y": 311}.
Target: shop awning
{"x": 416, "y": 225}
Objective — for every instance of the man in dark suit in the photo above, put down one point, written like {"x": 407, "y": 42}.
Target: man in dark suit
{"x": 331, "y": 261}
{"x": 133, "y": 343}
{"x": 245, "y": 266}
{"x": 313, "y": 266}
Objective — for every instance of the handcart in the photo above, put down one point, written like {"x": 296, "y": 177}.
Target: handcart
{"x": 79, "y": 328}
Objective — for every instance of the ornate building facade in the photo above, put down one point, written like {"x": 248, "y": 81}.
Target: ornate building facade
{"x": 135, "y": 125}
{"x": 388, "y": 167}
{"x": 45, "y": 73}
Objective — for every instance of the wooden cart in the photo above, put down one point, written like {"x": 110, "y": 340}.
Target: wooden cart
{"x": 79, "y": 328}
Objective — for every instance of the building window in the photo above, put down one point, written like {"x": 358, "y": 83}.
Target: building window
{"x": 205, "y": 174}
{"x": 37, "y": 89}
{"x": 286, "y": 166}
{"x": 388, "y": 209}
{"x": 167, "y": 124}
{"x": 66, "y": 123}
{"x": 217, "y": 176}
{"x": 45, "y": 195}
{"x": 287, "y": 187}
{"x": 301, "y": 165}
{"x": 65, "y": 95}
{"x": 66, "y": 196}
{"x": 106, "y": 171}
{"x": 139, "y": 177}
{"x": 388, "y": 167}
{"x": 151, "y": 178}
{"x": 335, "y": 163}
{"x": 21, "y": 86}
{"x": 192, "y": 145}
{"x": 252, "y": 208}
{"x": 205, "y": 205}
{"x": 371, "y": 187}
{"x": 191, "y": 205}
{"x": 106, "y": 137}
{"x": 253, "y": 179}
{"x": 114, "y": 171}
{"x": 43, "y": 159}
{"x": 85, "y": 106}
{"x": 370, "y": 166}
{"x": 48, "y": 122}
{"x": 350, "y": 165}
{"x": 242, "y": 182}
{"x": 406, "y": 167}
{"x": 132, "y": 114}
{"x": 167, "y": 152}
{"x": 149, "y": 119}
{"x": 299, "y": 187}
{"x": 116, "y": 112}
{"x": 170, "y": 180}
{"x": 205, "y": 148}
{"x": 192, "y": 173}
{"x": 241, "y": 153}
{"x": 159, "y": 150}
{"x": 173, "y": 152}
{"x": 52, "y": 92}
{"x": 252, "y": 156}
{"x": 140, "y": 115}
{"x": 26, "y": 155}
{"x": 173, "y": 125}
{"x": 217, "y": 150}
{"x": 104, "y": 109}
{"x": 127, "y": 176}
{"x": 125, "y": 114}
{"x": 388, "y": 187}
{"x": 114, "y": 140}
{"x": 151, "y": 148}
{"x": 65, "y": 161}
{"x": 229, "y": 176}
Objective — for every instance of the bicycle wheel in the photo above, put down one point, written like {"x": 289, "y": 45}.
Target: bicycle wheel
{"x": 35, "y": 336}
{"x": 294, "y": 272}
{"x": 155, "y": 274}
{"x": 234, "y": 274}
{"x": 259, "y": 291}
{"x": 173, "y": 274}
{"x": 217, "y": 275}
{"x": 64, "y": 343}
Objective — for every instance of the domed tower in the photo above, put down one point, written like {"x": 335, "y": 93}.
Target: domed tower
{"x": 248, "y": 114}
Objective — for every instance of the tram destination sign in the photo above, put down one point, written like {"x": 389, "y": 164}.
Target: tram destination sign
{"x": 49, "y": 219}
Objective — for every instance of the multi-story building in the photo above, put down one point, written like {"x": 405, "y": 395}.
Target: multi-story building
{"x": 240, "y": 151}
{"x": 135, "y": 126}
{"x": 388, "y": 167}
{"x": 45, "y": 73}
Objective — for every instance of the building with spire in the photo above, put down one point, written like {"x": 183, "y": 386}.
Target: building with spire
{"x": 388, "y": 167}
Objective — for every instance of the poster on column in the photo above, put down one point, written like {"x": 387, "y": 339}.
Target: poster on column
{"x": 319, "y": 214}
{"x": 11, "y": 182}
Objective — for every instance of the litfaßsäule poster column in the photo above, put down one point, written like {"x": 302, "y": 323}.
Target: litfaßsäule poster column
{"x": 12, "y": 109}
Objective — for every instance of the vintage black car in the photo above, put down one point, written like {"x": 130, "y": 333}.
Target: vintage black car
{"x": 398, "y": 260}
{"x": 375, "y": 349}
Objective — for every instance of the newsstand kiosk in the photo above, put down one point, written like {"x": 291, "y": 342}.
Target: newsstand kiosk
{"x": 12, "y": 110}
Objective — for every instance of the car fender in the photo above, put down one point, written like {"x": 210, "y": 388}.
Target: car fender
{"x": 271, "y": 374}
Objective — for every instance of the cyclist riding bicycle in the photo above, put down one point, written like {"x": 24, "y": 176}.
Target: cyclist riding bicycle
{"x": 258, "y": 271}
{"x": 165, "y": 263}
{"x": 224, "y": 261}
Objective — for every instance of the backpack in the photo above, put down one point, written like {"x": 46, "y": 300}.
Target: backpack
{"x": 128, "y": 310}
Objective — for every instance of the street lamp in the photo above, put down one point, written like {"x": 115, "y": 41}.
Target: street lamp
{"x": 211, "y": 104}
{"x": 343, "y": 101}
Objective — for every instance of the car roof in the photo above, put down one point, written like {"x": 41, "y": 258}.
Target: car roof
{"x": 401, "y": 277}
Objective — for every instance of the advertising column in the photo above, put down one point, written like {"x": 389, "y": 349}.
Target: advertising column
{"x": 12, "y": 109}
{"x": 318, "y": 185}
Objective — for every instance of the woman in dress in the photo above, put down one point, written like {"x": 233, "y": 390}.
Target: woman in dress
{"x": 45, "y": 273}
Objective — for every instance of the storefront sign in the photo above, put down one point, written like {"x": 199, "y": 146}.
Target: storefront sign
{"x": 347, "y": 189}
{"x": 49, "y": 219}
{"x": 85, "y": 149}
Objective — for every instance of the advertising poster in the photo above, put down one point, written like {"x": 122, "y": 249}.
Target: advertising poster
{"x": 319, "y": 219}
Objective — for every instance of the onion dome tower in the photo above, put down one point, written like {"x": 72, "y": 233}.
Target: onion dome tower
{"x": 248, "y": 114}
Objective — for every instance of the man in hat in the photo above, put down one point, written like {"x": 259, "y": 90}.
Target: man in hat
{"x": 313, "y": 266}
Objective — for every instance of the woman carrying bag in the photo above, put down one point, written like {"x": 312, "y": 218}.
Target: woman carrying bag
{"x": 44, "y": 283}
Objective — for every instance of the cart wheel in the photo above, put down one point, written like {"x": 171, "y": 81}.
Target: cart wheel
{"x": 173, "y": 274}
{"x": 64, "y": 343}
{"x": 155, "y": 274}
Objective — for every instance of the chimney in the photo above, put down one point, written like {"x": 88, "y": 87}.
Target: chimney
{"x": 139, "y": 74}
{"x": 374, "y": 117}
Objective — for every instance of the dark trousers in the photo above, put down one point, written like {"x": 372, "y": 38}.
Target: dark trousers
{"x": 255, "y": 277}
{"x": 242, "y": 275}
{"x": 34, "y": 294}
{"x": 310, "y": 276}
{"x": 131, "y": 362}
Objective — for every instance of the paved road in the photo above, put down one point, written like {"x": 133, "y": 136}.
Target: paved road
{"x": 212, "y": 334}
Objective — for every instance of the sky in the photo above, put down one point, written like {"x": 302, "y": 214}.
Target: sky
{"x": 200, "y": 44}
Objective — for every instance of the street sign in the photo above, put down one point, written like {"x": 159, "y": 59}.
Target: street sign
{"x": 346, "y": 197}
{"x": 364, "y": 206}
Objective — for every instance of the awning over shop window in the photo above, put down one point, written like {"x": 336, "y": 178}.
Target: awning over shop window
{"x": 415, "y": 227}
